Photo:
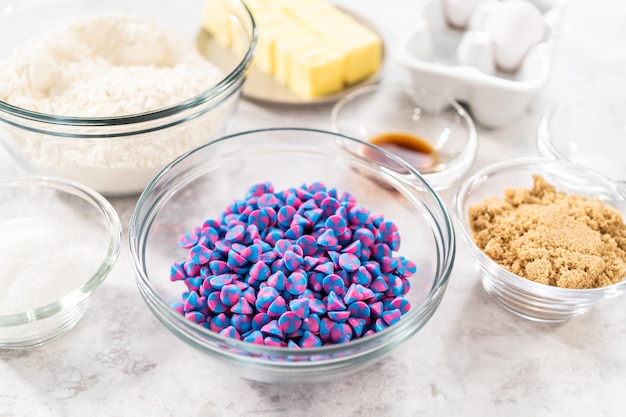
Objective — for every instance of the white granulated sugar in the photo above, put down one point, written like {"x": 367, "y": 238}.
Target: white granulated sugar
{"x": 110, "y": 66}
{"x": 42, "y": 260}
{"x": 104, "y": 67}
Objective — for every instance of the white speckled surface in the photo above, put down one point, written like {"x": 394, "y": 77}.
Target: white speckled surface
{"x": 471, "y": 359}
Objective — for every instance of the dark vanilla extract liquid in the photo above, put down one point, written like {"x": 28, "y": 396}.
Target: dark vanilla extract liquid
{"x": 414, "y": 150}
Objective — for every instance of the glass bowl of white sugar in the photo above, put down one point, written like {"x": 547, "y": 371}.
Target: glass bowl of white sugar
{"x": 58, "y": 242}
{"x": 107, "y": 93}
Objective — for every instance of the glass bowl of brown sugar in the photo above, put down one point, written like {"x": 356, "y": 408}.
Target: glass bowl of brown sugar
{"x": 548, "y": 237}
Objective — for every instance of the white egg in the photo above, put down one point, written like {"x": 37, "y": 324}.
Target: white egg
{"x": 479, "y": 14}
{"x": 458, "y": 12}
{"x": 514, "y": 28}
{"x": 476, "y": 50}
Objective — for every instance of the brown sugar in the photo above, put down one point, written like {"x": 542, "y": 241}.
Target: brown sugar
{"x": 551, "y": 237}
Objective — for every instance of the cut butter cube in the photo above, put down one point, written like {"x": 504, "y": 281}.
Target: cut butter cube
{"x": 317, "y": 72}
{"x": 363, "y": 47}
{"x": 281, "y": 4}
{"x": 264, "y": 56}
{"x": 265, "y": 18}
{"x": 329, "y": 24}
{"x": 215, "y": 21}
{"x": 285, "y": 48}
{"x": 308, "y": 12}
{"x": 309, "y": 45}
{"x": 363, "y": 55}
{"x": 255, "y": 5}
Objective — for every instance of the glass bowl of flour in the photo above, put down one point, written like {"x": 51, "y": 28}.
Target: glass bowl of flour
{"x": 58, "y": 242}
{"x": 107, "y": 93}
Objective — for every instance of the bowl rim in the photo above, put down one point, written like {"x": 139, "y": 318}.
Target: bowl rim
{"x": 476, "y": 181}
{"x": 469, "y": 150}
{"x": 114, "y": 226}
{"x": 545, "y": 146}
{"x": 136, "y": 236}
{"x": 238, "y": 73}
{"x": 545, "y": 132}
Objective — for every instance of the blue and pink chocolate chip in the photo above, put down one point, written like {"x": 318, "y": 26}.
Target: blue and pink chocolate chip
{"x": 302, "y": 267}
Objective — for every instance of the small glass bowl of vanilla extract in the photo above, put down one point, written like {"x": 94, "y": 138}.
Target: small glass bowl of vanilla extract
{"x": 433, "y": 134}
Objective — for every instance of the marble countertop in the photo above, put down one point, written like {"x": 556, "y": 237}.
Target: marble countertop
{"x": 471, "y": 359}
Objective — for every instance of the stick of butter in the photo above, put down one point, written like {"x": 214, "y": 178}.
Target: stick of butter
{"x": 317, "y": 72}
{"x": 310, "y": 46}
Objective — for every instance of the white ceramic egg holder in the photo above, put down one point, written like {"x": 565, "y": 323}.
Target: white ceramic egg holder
{"x": 459, "y": 64}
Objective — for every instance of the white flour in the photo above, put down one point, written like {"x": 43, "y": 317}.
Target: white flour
{"x": 105, "y": 67}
